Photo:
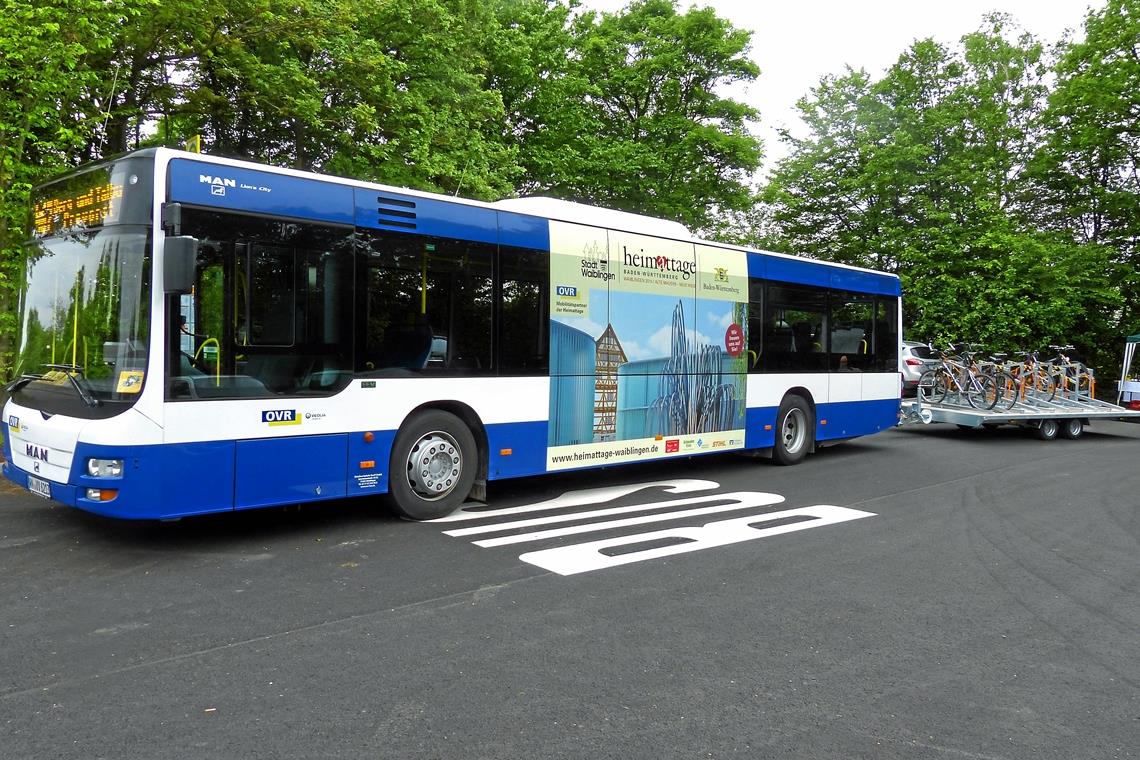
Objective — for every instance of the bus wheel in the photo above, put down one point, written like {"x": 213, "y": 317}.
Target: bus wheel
{"x": 1048, "y": 430}
{"x": 1072, "y": 428}
{"x": 794, "y": 430}
{"x": 433, "y": 465}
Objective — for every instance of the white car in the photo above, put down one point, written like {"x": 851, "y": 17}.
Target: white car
{"x": 915, "y": 359}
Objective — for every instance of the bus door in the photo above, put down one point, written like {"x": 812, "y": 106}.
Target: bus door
{"x": 265, "y": 341}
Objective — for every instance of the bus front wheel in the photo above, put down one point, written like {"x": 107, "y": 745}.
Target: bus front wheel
{"x": 433, "y": 465}
{"x": 794, "y": 430}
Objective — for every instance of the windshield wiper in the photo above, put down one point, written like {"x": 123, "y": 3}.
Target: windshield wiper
{"x": 73, "y": 372}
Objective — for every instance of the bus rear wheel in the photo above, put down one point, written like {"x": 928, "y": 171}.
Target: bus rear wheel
{"x": 794, "y": 431}
{"x": 433, "y": 465}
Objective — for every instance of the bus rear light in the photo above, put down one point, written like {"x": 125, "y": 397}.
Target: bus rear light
{"x": 102, "y": 494}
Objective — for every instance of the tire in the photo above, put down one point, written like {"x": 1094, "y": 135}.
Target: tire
{"x": 1072, "y": 428}
{"x": 982, "y": 392}
{"x": 1007, "y": 389}
{"x": 1048, "y": 430}
{"x": 433, "y": 465}
{"x": 1044, "y": 387}
{"x": 795, "y": 431}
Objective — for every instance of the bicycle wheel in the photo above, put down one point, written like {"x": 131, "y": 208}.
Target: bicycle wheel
{"x": 1041, "y": 386}
{"x": 1006, "y": 387}
{"x": 982, "y": 392}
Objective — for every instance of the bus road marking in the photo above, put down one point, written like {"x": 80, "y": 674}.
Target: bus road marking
{"x": 581, "y": 498}
{"x": 571, "y": 516}
{"x": 640, "y": 547}
{"x": 584, "y": 558}
{"x": 740, "y": 500}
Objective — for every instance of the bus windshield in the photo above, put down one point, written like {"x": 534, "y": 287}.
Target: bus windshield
{"x": 84, "y": 321}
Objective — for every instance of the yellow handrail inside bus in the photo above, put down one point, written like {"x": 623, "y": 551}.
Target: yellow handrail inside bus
{"x": 217, "y": 361}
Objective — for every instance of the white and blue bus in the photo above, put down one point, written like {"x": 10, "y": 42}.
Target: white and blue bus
{"x": 200, "y": 335}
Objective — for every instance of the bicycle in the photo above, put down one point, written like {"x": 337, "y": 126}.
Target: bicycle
{"x": 960, "y": 378}
{"x": 1073, "y": 378}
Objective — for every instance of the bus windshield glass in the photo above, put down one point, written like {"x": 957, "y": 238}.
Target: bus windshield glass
{"x": 84, "y": 321}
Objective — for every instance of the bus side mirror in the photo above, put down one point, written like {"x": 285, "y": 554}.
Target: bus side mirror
{"x": 179, "y": 256}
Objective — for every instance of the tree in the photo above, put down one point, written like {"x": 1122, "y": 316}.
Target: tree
{"x": 622, "y": 109}
{"x": 45, "y": 117}
{"x": 924, "y": 173}
{"x": 1087, "y": 173}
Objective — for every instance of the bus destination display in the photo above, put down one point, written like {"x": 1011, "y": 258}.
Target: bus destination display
{"x": 70, "y": 206}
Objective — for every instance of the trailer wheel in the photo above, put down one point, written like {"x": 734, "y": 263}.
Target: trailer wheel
{"x": 433, "y": 465}
{"x": 1048, "y": 430}
{"x": 1072, "y": 428}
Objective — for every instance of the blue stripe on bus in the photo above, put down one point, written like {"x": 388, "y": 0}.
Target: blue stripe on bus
{"x": 237, "y": 189}
{"x": 807, "y": 272}
{"x": 524, "y": 231}
{"x": 526, "y": 444}
{"x": 248, "y": 190}
{"x": 853, "y": 418}
{"x": 273, "y": 471}
{"x": 380, "y": 209}
{"x": 755, "y": 418}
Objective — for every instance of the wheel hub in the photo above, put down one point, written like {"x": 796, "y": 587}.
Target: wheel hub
{"x": 793, "y": 431}
{"x": 434, "y": 465}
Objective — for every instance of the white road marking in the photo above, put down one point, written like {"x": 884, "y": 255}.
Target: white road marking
{"x": 571, "y": 516}
{"x": 581, "y": 498}
{"x": 582, "y": 558}
{"x": 741, "y": 500}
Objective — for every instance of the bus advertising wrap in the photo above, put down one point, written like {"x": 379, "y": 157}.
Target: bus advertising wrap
{"x": 648, "y": 347}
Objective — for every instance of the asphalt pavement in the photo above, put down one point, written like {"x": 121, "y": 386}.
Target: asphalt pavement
{"x": 923, "y": 593}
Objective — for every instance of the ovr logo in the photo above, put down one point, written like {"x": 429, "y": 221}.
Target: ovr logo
{"x": 277, "y": 417}
{"x": 566, "y": 291}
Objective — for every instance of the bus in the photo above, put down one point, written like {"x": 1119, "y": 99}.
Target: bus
{"x": 200, "y": 334}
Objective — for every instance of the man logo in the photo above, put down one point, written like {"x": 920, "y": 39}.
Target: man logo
{"x": 279, "y": 417}
{"x": 217, "y": 185}
{"x": 220, "y": 181}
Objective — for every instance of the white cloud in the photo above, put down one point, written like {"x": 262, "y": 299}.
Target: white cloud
{"x": 661, "y": 342}
{"x": 796, "y": 43}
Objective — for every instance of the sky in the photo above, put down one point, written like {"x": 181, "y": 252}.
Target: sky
{"x": 795, "y": 42}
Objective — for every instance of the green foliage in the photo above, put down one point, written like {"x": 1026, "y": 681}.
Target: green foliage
{"x": 936, "y": 171}
{"x": 622, "y": 110}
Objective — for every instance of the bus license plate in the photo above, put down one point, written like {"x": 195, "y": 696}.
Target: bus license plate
{"x": 39, "y": 487}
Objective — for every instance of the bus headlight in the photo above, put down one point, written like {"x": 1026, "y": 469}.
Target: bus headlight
{"x": 105, "y": 468}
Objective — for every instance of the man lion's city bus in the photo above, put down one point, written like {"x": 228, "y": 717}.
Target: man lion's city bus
{"x": 199, "y": 335}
